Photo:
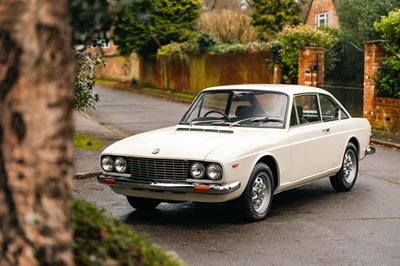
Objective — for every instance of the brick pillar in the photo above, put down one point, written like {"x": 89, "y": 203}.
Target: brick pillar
{"x": 311, "y": 66}
{"x": 277, "y": 74}
{"x": 373, "y": 51}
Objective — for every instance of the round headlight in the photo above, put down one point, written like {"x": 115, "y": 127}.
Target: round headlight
{"x": 197, "y": 170}
{"x": 214, "y": 171}
{"x": 107, "y": 163}
{"x": 120, "y": 165}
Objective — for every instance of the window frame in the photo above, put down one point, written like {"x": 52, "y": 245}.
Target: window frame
{"x": 318, "y": 109}
{"x": 321, "y": 16}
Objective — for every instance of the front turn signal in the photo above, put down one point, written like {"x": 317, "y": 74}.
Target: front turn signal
{"x": 109, "y": 180}
{"x": 202, "y": 188}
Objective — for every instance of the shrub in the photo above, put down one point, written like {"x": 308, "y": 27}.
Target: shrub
{"x": 144, "y": 26}
{"x": 270, "y": 17}
{"x": 85, "y": 96}
{"x": 286, "y": 49}
{"x": 227, "y": 26}
{"x": 99, "y": 240}
{"x": 388, "y": 78}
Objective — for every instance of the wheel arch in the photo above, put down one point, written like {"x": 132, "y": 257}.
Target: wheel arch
{"x": 356, "y": 143}
{"x": 272, "y": 164}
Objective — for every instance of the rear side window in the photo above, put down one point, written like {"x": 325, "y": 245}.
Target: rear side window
{"x": 330, "y": 110}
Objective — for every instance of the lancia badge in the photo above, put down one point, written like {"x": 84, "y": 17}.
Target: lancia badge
{"x": 156, "y": 151}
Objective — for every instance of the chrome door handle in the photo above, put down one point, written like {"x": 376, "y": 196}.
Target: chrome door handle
{"x": 326, "y": 130}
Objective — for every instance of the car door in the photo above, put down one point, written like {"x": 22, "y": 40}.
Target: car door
{"x": 333, "y": 117}
{"x": 307, "y": 136}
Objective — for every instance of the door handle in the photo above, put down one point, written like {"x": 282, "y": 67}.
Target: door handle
{"x": 326, "y": 130}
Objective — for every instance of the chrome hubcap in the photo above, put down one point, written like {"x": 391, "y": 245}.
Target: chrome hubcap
{"x": 349, "y": 166}
{"x": 261, "y": 193}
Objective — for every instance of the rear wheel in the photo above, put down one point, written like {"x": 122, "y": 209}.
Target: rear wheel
{"x": 142, "y": 203}
{"x": 345, "y": 179}
{"x": 257, "y": 197}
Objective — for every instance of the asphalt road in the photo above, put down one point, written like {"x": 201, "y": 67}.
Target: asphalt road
{"x": 311, "y": 225}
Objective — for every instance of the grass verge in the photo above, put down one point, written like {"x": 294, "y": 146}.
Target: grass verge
{"x": 87, "y": 142}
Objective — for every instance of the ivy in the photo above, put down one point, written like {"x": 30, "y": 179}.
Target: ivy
{"x": 286, "y": 49}
{"x": 388, "y": 78}
{"x": 85, "y": 96}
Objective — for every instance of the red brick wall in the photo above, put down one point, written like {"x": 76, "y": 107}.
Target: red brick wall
{"x": 322, "y": 6}
{"x": 307, "y": 58}
{"x": 382, "y": 113}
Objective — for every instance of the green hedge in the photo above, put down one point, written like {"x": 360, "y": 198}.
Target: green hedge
{"x": 99, "y": 239}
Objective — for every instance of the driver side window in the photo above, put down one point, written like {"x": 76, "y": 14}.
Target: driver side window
{"x": 305, "y": 110}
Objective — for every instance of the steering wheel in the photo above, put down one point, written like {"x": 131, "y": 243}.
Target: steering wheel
{"x": 218, "y": 112}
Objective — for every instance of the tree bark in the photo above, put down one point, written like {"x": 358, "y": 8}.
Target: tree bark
{"x": 36, "y": 130}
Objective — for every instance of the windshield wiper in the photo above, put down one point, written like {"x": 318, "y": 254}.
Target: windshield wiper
{"x": 206, "y": 121}
{"x": 260, "y": 119}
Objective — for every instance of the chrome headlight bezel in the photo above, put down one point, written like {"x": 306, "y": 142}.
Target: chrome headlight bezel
{"x": 107, "y": 163}
{"x": 120, "y": 165}
{"x": 214, "y": 171}
{"x": 197, "y": 170}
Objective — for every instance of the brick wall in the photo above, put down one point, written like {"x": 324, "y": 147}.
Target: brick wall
{"x": 311, "y": 66}
{"x": 382, "y": 113}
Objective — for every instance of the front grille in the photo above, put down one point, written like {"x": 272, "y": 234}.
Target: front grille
{"x": 158, "y": 169}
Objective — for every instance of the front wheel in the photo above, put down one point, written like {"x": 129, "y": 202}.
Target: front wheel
{"x": 344, "y": 179}
{"x": 257, "y": 197}
{"x": 143, "y": 203}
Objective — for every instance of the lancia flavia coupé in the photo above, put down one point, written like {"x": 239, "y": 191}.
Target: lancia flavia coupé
{"x": 241, "y": 144}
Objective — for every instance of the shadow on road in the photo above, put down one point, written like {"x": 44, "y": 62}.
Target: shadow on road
{"x": 304, "y": 200}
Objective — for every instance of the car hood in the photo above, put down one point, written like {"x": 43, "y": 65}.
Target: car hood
{"x": 191, "y": 143}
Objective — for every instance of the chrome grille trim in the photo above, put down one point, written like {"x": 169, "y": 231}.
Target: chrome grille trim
{"x": 158, "y": 169}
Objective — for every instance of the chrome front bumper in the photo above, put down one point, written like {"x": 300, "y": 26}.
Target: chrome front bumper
{"x": 213, "y": 189}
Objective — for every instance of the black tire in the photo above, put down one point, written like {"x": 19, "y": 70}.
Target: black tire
{"x": 261, "y": 186}
{"x": 345, "y": 179}
{"x": 143, "y": 204}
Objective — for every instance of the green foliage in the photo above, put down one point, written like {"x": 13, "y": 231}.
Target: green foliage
{"x": 90, "y": 19}
{"x": 203, "y": 43}
{"x": 271, "y": 16}
{"x": 358, "y": 16}
{"x": 356, "y": 22}
{"x": 388, "y": 80}
{"x": 286, "y": 49}
{"x": 99, "y": 240}
{"x": 85, "y": 96}
{"x": 144, "y": 26}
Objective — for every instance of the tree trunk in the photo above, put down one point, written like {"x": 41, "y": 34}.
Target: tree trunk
{"x": 36, "y": 129}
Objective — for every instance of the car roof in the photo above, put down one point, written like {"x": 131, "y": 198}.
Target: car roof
{"x": 283, "y": 88}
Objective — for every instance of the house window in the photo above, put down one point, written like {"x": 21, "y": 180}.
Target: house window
{"x": 321, "y": 20}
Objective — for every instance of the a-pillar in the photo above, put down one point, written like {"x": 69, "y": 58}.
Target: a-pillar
{"x": 311, "y": 66}
{"x": 373, "y": 52}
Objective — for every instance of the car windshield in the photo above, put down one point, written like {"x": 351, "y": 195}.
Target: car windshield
{"x": 243, "y": 108}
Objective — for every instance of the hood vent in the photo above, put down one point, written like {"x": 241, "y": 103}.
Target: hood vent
{"x": 205, "y": 130}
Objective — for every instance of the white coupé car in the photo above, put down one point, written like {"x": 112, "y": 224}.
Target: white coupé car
{"x": 241, "y": 143}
